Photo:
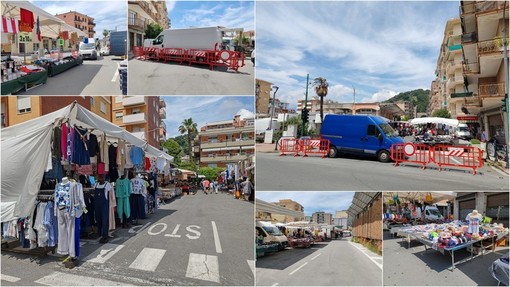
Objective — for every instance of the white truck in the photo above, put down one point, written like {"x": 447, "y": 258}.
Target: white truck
{"x": 204, "y": 38}
{"x": 271, "y": 234}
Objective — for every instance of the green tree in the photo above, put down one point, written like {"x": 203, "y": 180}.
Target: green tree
{"x": 321, "y": 89}
{"x": 174, "y": 149}
{"x": 188, "y": 165}
{"x": 188, "y": 127}
{"x": 153, "y": 30}
{"x": 210, "y": 172}
{"x": 441, "y": 113}
{"x": 405, "y": 118}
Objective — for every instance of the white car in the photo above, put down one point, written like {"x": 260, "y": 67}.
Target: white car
{"x": 105, "y": 51}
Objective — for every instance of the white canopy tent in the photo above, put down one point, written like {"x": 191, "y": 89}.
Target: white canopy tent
{"x": 26, "y": 149}
{"x": 434, "y": 120}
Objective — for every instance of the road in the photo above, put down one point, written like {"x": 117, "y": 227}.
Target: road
{"x": 195, "y": 240}
{"x": 334, "y": 263}
{"x": 276, "y": 173}
{"x": 92, "y": 78}
{"x": 158, "y": 78}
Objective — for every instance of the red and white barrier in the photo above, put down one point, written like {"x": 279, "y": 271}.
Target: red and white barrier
{"x": 458, "y": 156}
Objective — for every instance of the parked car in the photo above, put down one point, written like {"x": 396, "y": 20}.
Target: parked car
{"x": 105, "y": 51}
{"x": 88, "y": 50}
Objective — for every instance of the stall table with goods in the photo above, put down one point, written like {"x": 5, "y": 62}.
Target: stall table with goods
{"x": 454, "y": 236}
{"x": 57, "y": 66}
{"x": 304, "y": 242}
{"x": 17, "y": 77}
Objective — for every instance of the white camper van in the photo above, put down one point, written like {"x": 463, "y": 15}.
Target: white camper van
{"x": 272, "y": 234}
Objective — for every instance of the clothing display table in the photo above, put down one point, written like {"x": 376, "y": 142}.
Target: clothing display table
{"x": 25, "y": 82}
{"x": 56, "y": 68}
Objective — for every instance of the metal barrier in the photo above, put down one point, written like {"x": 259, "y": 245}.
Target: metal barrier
{"x": 138, "y": 52}
{"x": 315, "y": 146}
{"x": 411, "y": 153}
{"x": 172, "y": 54}
{"x": 289, "y": 146}
{"x": 458, "y": 156}
{"x": 151, "y": 53}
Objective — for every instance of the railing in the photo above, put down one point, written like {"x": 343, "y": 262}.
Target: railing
{"x": 492, "y": 90}
{"x": 461, "y": 95}
{"x": 473, "y": 102}
{"x": 162, "y": 103}
{"x": 452, "y": 82}
{"x": 490, "y": 46}
{"x": 452, "y": 64}
{"x": 471, "y": 68}
{"x": 469, "y": 37}
{"x": 162, "y": 113}
{"x": 137, "y": 23}
{"x": 134, "y": 119}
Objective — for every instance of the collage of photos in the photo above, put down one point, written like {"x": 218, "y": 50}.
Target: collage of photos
{"x": 143, "y": 145}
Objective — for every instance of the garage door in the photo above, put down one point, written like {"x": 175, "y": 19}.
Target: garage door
{"x": 497, "y": 208}
{"x": 465, "y": 207}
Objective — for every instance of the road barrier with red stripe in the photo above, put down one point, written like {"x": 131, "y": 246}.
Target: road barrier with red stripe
{"x": 442, "y": 155}
{"x": 458, "y": 156}
{"x": 290, "y": 146}
{"x": 411, "y": 153}
{"x": 214, "y": 58}
{"x": 315, "y": 146}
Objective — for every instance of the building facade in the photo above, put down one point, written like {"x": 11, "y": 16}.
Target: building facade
{"x": 490, "y": 204}
{"x": 141, "y": 14}
{"x": 322, "y": 217}
{"x": 18, "y": 109}
{"x": 341, "y": 219}
{"x": 262, "y": 96}
{"x": 224, "y": 142}
{"x": 289, "y": 204}
{"x": 141, "y": 116}
{"x": 482, "y": 25}
{"x": 80, "y": 21}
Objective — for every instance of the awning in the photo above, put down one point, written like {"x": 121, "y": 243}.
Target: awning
{"x": 434, "y": 120}
{"x": 49, "y": 24}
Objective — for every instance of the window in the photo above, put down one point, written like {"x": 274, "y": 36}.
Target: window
{"x": 371, "y": 130}
{"x": 136, "y": 111}
{"x": 24, "y": 104}
{"x": 118, "y": 116}
{"x": 118, "y": 99}
{"x": 132, "y": 18}
{"x": 103, "y": 108}
{"x": 92, "y": 101}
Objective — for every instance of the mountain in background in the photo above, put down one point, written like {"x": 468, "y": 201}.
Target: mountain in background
{"x": 419, "y": 98}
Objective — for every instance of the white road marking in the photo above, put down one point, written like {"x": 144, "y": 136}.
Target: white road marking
{"x": 8, "y": 278}
{"x": 65, "y": 279}
{"x": 132, "y": 229}
{"x": 251, "y": 263}
{"x": 216, "y": 238}
{"x": 203, "y": 267}
{"x": 275, "y": 284}
{"x": 102, "y": 255}
{"x": 316, "y": 256}
{"x": 149, "y": 231}
{"x": 116, "y": 74}
{"x": 148, "y": 259}
{"x": 174, "y": 233}
{"x": 298, "y": 268}
{"x": 369, "y": 257}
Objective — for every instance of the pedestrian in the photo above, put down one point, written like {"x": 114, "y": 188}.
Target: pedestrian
{"x": 206, "y": 186}
{"x": 247, "y": 188}
{"x": 216, "y": 187}
{"x": 211, "y": 185}
{"x": 252, "y": 56}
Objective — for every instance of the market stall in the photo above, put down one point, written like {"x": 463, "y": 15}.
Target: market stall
{"x": 17, "y": 77}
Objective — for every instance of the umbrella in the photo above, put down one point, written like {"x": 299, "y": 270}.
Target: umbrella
{"x": 434, "y": 120}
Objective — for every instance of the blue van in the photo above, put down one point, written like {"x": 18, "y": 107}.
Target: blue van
{"x": 360, "y": 135}
{"x": 118, "y": 43}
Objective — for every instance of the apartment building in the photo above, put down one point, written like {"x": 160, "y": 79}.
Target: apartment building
{"x": 322, "y": 217}
{"x": 262, "y": 96}
{"x": 223, "y": 142}
{"x": 435, "y": 98}
{"x": 289, "y": 204}
{"x": 18, "y": 109}
{"x": 482, "y": 25}
{"x": 80, "y": 21}
{"x": 141, "y": 14}
{"x": 141, "y": 115}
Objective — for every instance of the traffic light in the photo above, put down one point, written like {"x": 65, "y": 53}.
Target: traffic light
{"x": 304, "y": 115}
{"x": 505, "y": 100}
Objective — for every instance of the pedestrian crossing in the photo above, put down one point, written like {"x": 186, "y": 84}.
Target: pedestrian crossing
{"x": 204, "y": 267}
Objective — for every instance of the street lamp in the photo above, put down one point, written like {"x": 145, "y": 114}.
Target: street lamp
{"x": 273, "y": 107}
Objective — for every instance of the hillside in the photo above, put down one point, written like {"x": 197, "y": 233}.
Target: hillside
{"x": 419, "y": 98}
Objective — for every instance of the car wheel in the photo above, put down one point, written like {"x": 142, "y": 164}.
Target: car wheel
{"x": 333, "y": 152}
{"x": 383, "y": 156}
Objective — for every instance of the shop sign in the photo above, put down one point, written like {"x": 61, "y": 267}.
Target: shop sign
{"x": 467, "y": 118}
{"x": 25, "y": 37}
{"x": 61, "y": 42}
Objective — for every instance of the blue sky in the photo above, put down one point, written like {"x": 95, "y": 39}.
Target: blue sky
{"x": 107, "y": 14}
{"x": 312, "y": 201}
{"x": 231, "y": 14}
{"x": 203, "y": 109}
{"x": 380, "y": 48}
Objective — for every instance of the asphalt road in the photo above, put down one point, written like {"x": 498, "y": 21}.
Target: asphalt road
{"x": 414, "y": 266}
{"x": 92, "y": 78}
{"x": 158, "y": 78}
{"x": 195, "y": 240}
{"x": 275, "y": 173}
{"x": 334, "y": 263}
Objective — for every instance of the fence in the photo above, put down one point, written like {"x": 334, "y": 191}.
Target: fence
{"x": 367, "y": 225}
{"x": 306, "y": 147}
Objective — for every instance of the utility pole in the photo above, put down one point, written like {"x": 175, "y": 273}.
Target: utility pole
{"x": 306, "y": 102}
{"x": 354, "y": 101}
{"x": 505, "y": 51}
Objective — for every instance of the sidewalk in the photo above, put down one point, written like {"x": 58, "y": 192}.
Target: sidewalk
{"x": 267, "y": 148}
{"x": 500, "y": 165}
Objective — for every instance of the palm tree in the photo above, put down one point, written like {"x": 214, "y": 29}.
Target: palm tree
{"x": 105, "y": 33}
{"x": 188, "y": 127}
{"x": 321, "y": 89}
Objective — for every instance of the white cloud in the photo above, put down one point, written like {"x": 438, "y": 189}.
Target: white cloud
{"x": 228, "y": 14}
{"x": 380, "y": 96}
{"x": 244, "y": 113}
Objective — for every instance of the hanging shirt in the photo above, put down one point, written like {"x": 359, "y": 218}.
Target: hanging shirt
{"x": 92, "y": 145}
{"x": 112, "y": 154}
{"x": 129, "y": 163}
{"x": 63, "y": 140}
{"x": 137, "y": 155}
{"x": 473, "y": 223}
{"x": 103, "y": 153}
{"x": 62, "y": 195}
{"x": 138, "y": 186}
{"x": 122, "y": 188}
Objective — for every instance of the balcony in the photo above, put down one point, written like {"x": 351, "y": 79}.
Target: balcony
{"x": 137, "y": 23}
{"x": 92, "y": 23}
{"x": 491, "y": 90}
{"x": 228, "y": 144}
{"x": 469, "y": 38}
{"x": 461, "y": 95}
{"x": 453, "y": 81}
{"x": 223, "y": 158}
{"x": 162, "y": 113}
{"x": 133, "y": 101}
{"x": 162, "y": 103}
{"x": 452, "y": 66}
{"x": 162, "y": 125}
{"x": 490, "y": 46}
{"x": 140, "y": 135}
{"x": 134, "y": 119}
{"x": 472, "y": 68}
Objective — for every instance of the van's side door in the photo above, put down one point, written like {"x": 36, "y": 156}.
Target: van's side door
{"x": 372, "y": 142}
